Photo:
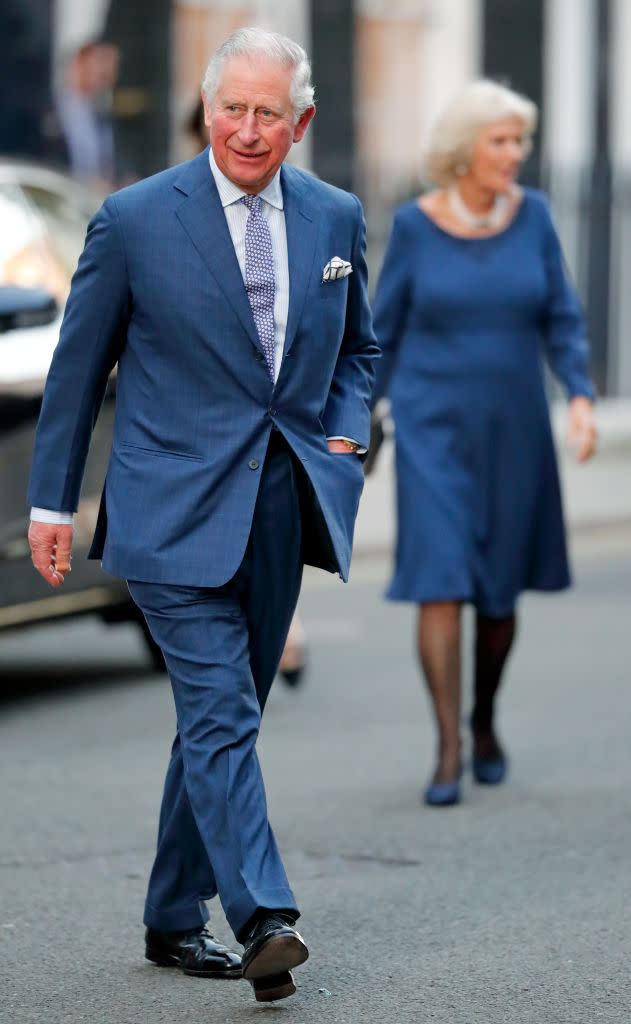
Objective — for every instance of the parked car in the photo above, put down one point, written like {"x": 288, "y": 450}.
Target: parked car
{"x": 43, "y": 219}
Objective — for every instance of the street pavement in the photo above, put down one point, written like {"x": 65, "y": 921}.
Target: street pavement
{"x": 512, "y": 907}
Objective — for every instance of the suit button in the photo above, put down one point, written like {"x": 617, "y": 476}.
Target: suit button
{"x": 259, "y": 357}
{"x": 272, "y": 412}
{"x": 253, "y": 464}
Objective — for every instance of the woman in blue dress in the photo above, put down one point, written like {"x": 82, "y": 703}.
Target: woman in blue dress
{"x": 472, "y": 298}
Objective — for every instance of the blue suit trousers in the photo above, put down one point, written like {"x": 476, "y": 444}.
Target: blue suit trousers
{"x": 222, "y": 647}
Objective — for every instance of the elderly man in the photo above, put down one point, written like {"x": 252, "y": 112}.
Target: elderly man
{"x": 231, "y": 292}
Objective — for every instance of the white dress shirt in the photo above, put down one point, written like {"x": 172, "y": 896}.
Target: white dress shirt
{"x": 236, "y": 217}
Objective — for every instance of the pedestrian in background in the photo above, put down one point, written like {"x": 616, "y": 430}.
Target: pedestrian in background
{"x": 472, "y": 294}
{"x": 195, "y": 125}
{"x": 232, "y": 293}
{"x": 83, "y": 111}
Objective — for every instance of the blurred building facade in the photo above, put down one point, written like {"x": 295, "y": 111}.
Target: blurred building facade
{"x": 383, "y": 69}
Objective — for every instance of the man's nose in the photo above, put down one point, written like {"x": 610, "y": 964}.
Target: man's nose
{"x": 248, "y": 129}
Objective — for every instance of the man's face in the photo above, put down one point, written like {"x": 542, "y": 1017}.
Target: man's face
{"x": 251, "y": 121}
{"x": 98, "y": 68}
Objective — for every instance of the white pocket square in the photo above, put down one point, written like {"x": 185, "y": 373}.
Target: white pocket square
{"x": 335, "y": 268}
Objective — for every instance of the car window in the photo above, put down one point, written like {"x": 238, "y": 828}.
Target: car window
{"x": 41, "y": 237}
{"x": 26, "y": 257}
{"x": 65, "y": 220}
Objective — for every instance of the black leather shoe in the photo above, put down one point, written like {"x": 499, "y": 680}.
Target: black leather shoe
{"x": 197, "y": 953}
{"x": 292, "y": 676}
{"x": 274, "y": 986}
{"x": 271, "y": 949}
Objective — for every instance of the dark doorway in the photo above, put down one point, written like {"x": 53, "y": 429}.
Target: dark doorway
{"x": 513, "y": 55}
{"x": 25, "y": 65}
{"x": 332, "y": 131}
{"x": 142, "y": 30}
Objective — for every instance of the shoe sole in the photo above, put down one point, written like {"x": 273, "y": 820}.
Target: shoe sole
{"x": 280, "y": 953}
{"x": 173, "y": 961}
{"x": 275, "y": 986}
{"x": 488, "y": 780}
{"x": 225, "y": 975}
{"x": 490, "y": 776}
{"x": 442, "y": 803}
{"x": 165, "y": 960}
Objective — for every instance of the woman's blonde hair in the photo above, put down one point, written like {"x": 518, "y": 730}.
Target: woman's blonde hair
{"x": 478, "y": 105}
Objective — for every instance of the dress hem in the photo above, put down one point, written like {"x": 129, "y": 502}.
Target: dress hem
{"x": 492, "y": 611}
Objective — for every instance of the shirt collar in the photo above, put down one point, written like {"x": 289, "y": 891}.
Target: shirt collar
{"x": 230, "y": 193}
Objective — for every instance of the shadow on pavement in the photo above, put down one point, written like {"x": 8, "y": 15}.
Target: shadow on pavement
{"x": 23, "y": 682}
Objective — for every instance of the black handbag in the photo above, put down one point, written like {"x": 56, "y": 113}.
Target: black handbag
{"x": 377, "y": 435}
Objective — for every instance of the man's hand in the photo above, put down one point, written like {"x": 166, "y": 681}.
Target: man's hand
{"x": 342, "y": 447}
{"x": 581, "y": 428}
{"x": 50, "y": 550}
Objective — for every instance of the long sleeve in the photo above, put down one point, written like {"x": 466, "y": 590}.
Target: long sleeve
{"x": 391, "y": 303}
{"x": 91, "y": 338}
{"x": 565, "y": 334}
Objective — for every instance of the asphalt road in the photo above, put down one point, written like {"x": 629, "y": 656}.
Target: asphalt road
{"x": 512, "y": 907}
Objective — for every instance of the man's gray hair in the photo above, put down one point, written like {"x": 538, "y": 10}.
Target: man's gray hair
{"x": 259, "y": 42}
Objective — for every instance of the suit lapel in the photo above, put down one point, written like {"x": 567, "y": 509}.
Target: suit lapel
{"x": 202, "y": 217}
{"x": 302, "y": 231}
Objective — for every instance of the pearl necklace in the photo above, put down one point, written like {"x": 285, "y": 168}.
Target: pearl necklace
{"x": 492, "y": 219}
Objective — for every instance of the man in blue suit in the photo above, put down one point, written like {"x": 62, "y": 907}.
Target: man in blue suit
{"x": 231, "y": 293}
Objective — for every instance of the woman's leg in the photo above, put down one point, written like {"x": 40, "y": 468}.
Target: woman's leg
{"x": 294, "y": 654}
{"x": 494, "y": 639}
{"x": 439, "y": 654}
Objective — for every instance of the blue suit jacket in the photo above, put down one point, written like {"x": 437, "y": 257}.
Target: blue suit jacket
{"x": 158, "y": 290}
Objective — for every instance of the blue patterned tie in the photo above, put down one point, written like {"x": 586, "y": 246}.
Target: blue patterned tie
{"x": 259, "y": 276}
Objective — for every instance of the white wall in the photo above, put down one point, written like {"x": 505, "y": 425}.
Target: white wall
{"x": 451, "y": 55}
{"x": 620, "y": 363}
{"x": 568, "y": 91}
{"x": 413, "y": 56}
{"x": 76, "y": 22}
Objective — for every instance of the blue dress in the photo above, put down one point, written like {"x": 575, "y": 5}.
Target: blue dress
{"x": 464, "y": 326}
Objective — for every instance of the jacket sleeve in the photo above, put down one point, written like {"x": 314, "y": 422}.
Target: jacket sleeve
{"x": 565, "y": 335}
{"x": 347, "y": 411}
{"x": 391, "y": 304}
{"x": 91, "y": 338}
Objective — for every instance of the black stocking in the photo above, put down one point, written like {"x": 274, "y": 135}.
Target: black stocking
{"x": 494, "y": 639}
{"x": 438, "y": 642}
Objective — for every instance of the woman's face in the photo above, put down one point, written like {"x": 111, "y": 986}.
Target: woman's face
{"x": 497, "y": 154}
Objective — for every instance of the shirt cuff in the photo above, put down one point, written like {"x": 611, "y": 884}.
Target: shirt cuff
{"x": 338, "y": 437}
{"x": 46, "y": 515}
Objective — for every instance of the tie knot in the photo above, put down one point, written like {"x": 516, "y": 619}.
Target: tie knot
{"x": 253, "y": 204}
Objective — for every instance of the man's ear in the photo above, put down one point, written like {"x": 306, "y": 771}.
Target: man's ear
{"x": 207, "y": 115}
{"x": 303, "y": 123}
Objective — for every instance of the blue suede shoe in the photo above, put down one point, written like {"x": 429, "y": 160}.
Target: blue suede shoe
{"x": 442, "y": 794}
{"x": 489, "y": 772}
